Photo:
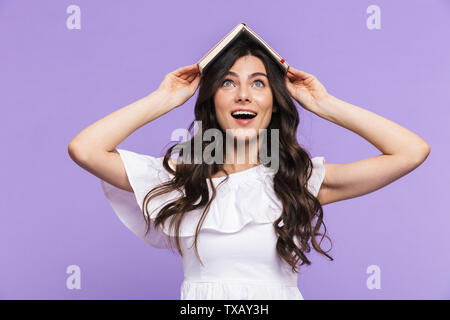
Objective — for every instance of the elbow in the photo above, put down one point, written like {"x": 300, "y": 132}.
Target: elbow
{"x": 427, "y": 150}
{"x": 422, "y": 154}
{"x": 76, "y": 152}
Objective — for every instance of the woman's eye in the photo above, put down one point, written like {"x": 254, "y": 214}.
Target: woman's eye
{"x": 226, "y": 81}
{"x": 262, "y": 83}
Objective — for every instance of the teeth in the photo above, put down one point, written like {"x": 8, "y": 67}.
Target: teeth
{"x": 243, "y": 112}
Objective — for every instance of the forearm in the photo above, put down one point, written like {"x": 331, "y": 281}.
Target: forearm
{"x": 108, "y": 132}
{"x": 387, "y": 136}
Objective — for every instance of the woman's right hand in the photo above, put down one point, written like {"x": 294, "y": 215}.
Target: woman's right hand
{"x": 181, "y": 84}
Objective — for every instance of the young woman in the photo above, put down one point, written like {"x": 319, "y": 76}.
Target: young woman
{"x": 249, "y": 224}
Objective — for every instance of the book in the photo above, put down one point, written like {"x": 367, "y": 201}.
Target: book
{"x": 228, "y": 39}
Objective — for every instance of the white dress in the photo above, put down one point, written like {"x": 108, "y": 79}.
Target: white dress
{"x": 237, "y": 240}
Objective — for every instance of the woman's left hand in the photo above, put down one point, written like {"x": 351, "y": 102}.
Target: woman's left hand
{"x": 305, "y": 89}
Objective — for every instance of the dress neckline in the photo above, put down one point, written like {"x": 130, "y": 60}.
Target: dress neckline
{"x": 239, "y": 173}
{"x": 243, "y": 174}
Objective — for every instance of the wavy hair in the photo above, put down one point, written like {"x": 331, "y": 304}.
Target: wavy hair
{"x": 300, "y": 207}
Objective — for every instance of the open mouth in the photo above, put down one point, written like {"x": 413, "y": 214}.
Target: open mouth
{"x": 243, "y": 115}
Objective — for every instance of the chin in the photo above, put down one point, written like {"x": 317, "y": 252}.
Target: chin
{"x": 243, "y": 134}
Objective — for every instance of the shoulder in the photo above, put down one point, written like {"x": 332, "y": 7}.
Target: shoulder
{"x": 172, "y": 163}
{"x": 316, "y": 181}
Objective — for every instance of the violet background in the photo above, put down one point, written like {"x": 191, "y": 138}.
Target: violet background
{"x": 55, "y": 82}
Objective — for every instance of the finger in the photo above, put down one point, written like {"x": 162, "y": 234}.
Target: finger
{"x": 185, "y": 72}
{"x": 193, "y": 76}
{"x": 290, "y": 77}
{"x": 197, "y": 79}
{"x": 298, "y": 73}
{"x": 194, "y": 84}
{"x": 288, "y": 82}
{"x": 197, "y": 68}
{"x": 186, "y": 68}
{"x": 294, "y": 71}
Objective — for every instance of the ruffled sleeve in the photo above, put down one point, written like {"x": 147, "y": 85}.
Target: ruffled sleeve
{"x": 246, "y": 198}
{"x": 317, "y": 176}
{"x": 144, "y": 172}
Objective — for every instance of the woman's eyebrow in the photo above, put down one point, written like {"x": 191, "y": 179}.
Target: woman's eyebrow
{"x": 250, "y": 76}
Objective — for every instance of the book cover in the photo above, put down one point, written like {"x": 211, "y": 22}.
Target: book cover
{"x": 230, "y": 37}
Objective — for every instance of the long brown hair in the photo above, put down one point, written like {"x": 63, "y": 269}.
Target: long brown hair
{"x": 300, "y": 207}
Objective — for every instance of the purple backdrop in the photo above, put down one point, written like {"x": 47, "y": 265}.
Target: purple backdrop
{"x": 55, "y": 81}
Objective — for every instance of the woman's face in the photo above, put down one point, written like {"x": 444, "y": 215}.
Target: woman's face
{"x": 246, "y": 86}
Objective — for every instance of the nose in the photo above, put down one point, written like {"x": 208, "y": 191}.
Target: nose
{"x": 243, "y": 94}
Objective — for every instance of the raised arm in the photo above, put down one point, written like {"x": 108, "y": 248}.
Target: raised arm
{"x": 402, "y": 150}
{"x": 94, "y": 147}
